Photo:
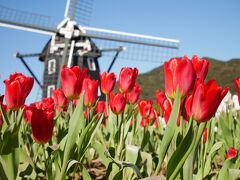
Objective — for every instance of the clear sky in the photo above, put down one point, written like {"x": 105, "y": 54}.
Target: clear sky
{"x": 206, "y": 28}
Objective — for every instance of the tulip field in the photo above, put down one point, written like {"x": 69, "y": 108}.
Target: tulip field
{"x": 190, "y": 131}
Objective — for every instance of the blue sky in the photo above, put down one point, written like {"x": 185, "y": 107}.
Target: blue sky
{"x": 206, "y": 28}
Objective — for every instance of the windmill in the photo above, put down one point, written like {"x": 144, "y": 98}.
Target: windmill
{"x": 74, "y": 43}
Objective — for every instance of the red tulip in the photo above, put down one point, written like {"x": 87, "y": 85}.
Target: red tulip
{"x": 205, "y": 134}
{"x": 60, "y": 100}
{"x": 201, "y": 67}
{"x": 47, "y": 104}
{"x": 127, "y": 79}
{"x": 144, "y": 122}
{"x": 101, "y": 108}
{"x": 117, "y": 102}
{"x": 4, "y": 108}
{"x": 86, "y": 112}
{"x": 134, "y": 94}
{"x": 1, "y": 98}
{"x": 17, "y": 89}
{"x": 108, "y": 81}
{"x": 72, "y": 80}
{"x": 237, "y": 84}
{"x": 204, "y": 101}
{"x": 165, "y": 104}
{"x": 232, "y": 152}
{"x": 145, "y": 107}
{"x": 179, "y": 73}
{"x": 90, "y": 88}
{"x": 42, "y": 125}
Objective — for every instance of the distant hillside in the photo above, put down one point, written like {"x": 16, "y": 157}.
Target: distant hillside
{"x": 223, "y": 72}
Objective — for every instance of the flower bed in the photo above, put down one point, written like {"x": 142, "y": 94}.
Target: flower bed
{"x": 73, "y": 134}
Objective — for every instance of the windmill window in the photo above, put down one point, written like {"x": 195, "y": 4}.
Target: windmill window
{"x": 49, "y": 90}
{"x": 51, "y": 66}
{"x": 91, "y": 64}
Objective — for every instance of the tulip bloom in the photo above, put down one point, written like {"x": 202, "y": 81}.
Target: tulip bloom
{"x": 72, "y": 80}
{"x": 145, "y": 107}
{"x": 205, "y": 134}
{"x": 90, "y": 88}
{"x": 101, "y": 108}
{"x": 60, "y": 100}
{"x": 232, "y": 152}
{"x": 134, "y": 94}
{"x": 117, "y": 103}
{"x": 17, "y": 89}
{"x": 201, "y": 67}
{"x": 204, "y": 101}
{"x": 42, "y": 124}
{"x": 4, "y": 108}
{"x": 237, "y": 84}
{"x": 165, "y": 104}
{"x": 108, "y": 81}
{"x": 47, "y": 104}
{"x": 127, "y": 79}
{"x": 179, "y": 73}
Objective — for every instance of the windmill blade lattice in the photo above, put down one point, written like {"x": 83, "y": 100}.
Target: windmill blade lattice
{"x": 149, "y": 49}
{"x": 18, "y": 17}
{"x": 80, "y": 11}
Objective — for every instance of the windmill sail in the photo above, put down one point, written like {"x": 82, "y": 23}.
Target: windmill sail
{"x": 138, "y": 47}
{"x": 72, "y": 43}
{"x": 22, "y": 20}
{"x": 79, "y": 11}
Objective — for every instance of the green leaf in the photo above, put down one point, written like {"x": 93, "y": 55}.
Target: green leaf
{"x": 9, "y": 140}
{"x": 224, "y": 171}
{"x": 71, "y": 163}
{"x": 26, "y": 171}
{"x": 234, "y": 173}
{"x": 87, "y": 135}
{"x": 86, "y": 175}
{"x": 169, "y": 132}
{"x": 132, "y": 153}
{"x": 226, "y": 132}
{"x": 4, "y": 115}
{"x": 146, "y": 137}
{"x": 215, "y": 148}
{"x": 147, "y": 160}
{"x": 75, "y": 123}
{"x": 180, "y": 155}
{"x": 100, "y": 149}
{"x": 119, "y": 175}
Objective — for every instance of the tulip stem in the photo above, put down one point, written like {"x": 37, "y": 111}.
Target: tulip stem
{"x": 107, "y": 105}
{"x": 45, "y": 160}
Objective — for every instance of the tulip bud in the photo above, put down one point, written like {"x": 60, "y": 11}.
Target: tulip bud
{"x": 165, "y": 104}
{"x": 90, "y": 88}
{"x": 237, "y": 84}
{"x": 204, "y": 101}
{"x": 127, "y": 79}
{"x": 117, "y": 103}
{"x": 232, "y": 152}
{"x": 4, "y": 108}
{"x": 17, "y": 89}
{"x": 201, "y": 67}
{"x": 145, "y": 107}
{"x": 179, "y": 73}
{"x": 42, "y": 123}
{"x": 101, "y": 108}
{"x": 72, "y": 80}
{"x": 134, "y": 94}
{"x": 108, "y": 81}
{"x": 205, "y": 134}
{"x": 60, "y": 100}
